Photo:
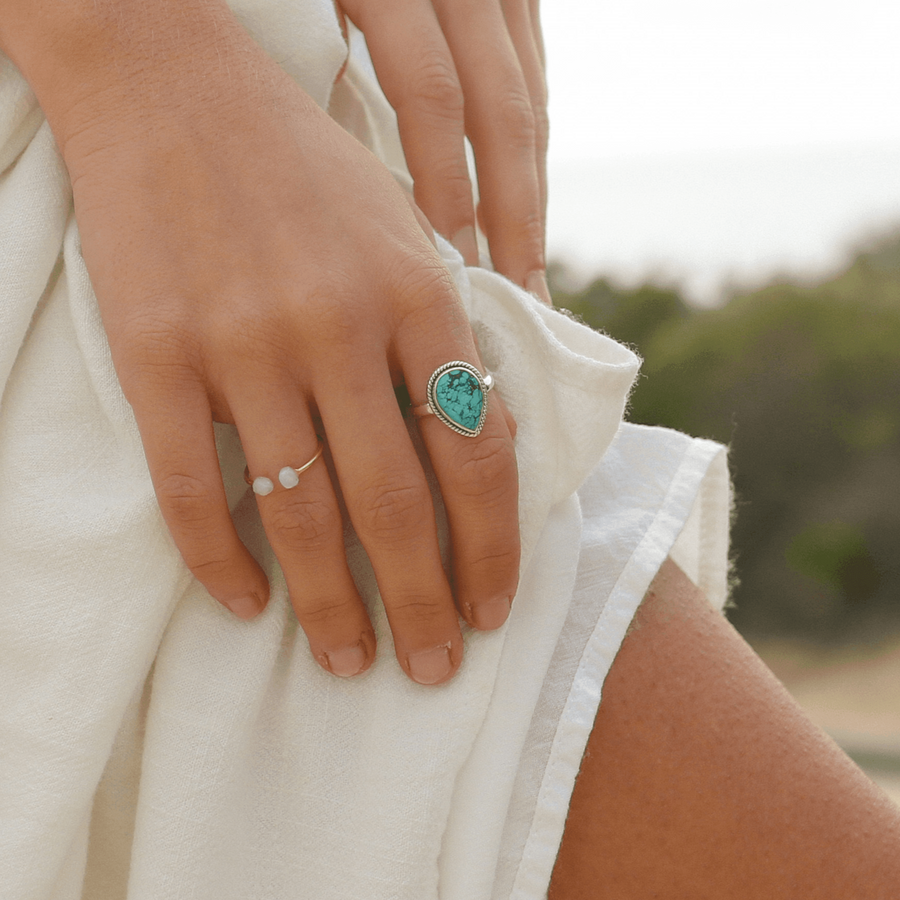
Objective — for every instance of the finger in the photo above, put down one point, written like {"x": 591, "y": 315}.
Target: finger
{"x": 511, "y": 425}
{"x": 416, "y": 72}
{"x": 534, "y": 8}
{"x": 390, "y": 505}
{"x": 179, "y": 443}
{"x": 523, "y": 22}
{"x": 478, "y": 480}
{"x": 500, "y": 122}
{"x": 301, "y": 516}
{"x": 479, "y": 486}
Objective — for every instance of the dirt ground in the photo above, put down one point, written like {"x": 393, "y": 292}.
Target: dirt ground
{"x": 854, "y": 694}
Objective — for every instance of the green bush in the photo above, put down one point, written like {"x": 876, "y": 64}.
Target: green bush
{"x": 803, "y": 383}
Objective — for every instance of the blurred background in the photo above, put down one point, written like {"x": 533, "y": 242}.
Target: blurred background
{"x": 725, "y": 197}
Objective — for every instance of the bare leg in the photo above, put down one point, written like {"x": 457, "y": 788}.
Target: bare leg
{"x": 703, "y": 778}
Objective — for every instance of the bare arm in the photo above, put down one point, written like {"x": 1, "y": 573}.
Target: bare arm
{"x": 703, "y": 778}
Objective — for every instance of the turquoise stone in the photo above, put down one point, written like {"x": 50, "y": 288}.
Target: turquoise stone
{"x": 459, "y": 396}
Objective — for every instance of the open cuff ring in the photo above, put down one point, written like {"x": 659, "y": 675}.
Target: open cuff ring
{"x": 288, "y": 477}
{"x": 457, "y": 395}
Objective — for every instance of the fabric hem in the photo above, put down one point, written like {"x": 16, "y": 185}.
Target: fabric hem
{"x": 576, "y": 722}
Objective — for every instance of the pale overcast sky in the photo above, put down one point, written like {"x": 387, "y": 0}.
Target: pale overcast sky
{"x": 659, "y": 76}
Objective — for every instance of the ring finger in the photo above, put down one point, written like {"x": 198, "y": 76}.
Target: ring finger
{"x": 478, "y": 478}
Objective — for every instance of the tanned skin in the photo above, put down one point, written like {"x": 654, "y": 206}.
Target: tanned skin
{"x": 704, "y": 779}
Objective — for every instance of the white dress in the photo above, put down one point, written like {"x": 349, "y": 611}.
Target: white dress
{"x": 152, "y": 746}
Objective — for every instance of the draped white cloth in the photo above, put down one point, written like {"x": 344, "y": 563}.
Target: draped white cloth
{"x": 152, "y": 746}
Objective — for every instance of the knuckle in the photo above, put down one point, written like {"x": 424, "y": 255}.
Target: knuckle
{"x": 185, "y": 500}
{"x": 437, "y": 89}
{"x": 247, "y": 338}
{"x": 419, "y": 282}
{"x": 422, "y": 279}
{"x": 328, "y": 316}
{"x": 208, "y": 567}
{"x": 256, "y": 335}
{"x": 498, "y": 560}
{"x": 335, "y": 329}
{"x": 153, "y": 322}
{"x": 185, "y": 497}
{"x": 248, "y": 334}
{"x": 392, "y": 512}
{"x": 153, "y": 355}
{"x": 302, "y": 523}
{"x": 516, "y": 119}
{"x": 488, "y": 471}
{"x": 532, "y": 238}
{"x": 525, "y": 242}
{"x": 418, "y": 608}
{"x": 444, "y": 182}
{"x": 319, "y": 613}
{"x": 427, "y": 300}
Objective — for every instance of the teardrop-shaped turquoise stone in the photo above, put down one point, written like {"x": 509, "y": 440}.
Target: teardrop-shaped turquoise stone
{"x": 459, "y": 396}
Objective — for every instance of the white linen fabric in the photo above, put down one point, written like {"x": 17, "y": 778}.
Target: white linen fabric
{"x": 152, "y": 746}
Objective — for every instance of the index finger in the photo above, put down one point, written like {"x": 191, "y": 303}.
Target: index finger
{"x": 417, "y": 74}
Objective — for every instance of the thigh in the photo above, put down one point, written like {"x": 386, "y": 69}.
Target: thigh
{"x": 702, "y": 778}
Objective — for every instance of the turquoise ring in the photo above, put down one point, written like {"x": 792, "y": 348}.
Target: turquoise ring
{"x": 457, "y": 395}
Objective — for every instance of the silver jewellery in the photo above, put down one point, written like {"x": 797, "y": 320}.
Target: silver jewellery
{"x": 457, "y": 395}
{"x": 288, "y": 477}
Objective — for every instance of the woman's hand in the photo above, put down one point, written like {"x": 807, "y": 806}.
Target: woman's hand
{"x": 457, "y": 68}
{"x": 255, "y": 265}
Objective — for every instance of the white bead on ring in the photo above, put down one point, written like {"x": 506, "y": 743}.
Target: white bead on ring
{"x": 288, "y": 477}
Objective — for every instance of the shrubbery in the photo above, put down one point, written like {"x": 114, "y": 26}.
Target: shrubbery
{"x": 803, "y": 383}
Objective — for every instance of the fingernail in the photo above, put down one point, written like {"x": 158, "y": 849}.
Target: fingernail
{"x": 430, "y": 666}
{"x": 245, "y": 607}
{"x": 536, "y": 283}
{"x": 491, "y": 615}
{"x": 465, "y": 241}
{"x": 347, "y": 661}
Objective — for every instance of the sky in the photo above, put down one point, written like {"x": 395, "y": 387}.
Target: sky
{"x": 657, "y": 77}
{"x": 719, "y": 144}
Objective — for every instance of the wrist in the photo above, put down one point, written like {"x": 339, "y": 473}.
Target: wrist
{"x": 108, "y": 62}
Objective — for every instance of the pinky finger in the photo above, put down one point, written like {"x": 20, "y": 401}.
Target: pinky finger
{"x": 184, "y": 466}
